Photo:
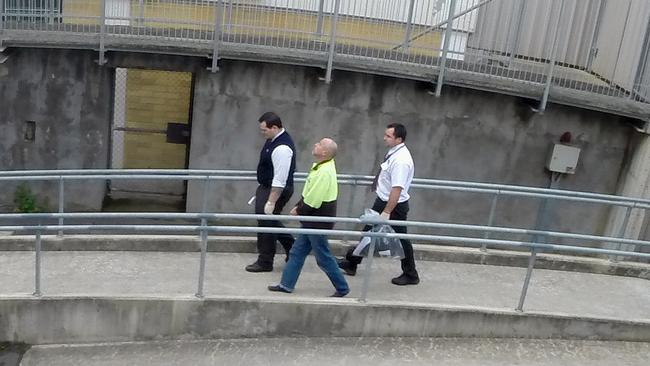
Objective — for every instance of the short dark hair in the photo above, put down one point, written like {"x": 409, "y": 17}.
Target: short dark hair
{"x": 271, "y": 120}
{"x": 400, "y": 130}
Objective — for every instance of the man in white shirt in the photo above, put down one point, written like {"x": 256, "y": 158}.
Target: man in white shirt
{"x": 275, "y": 177}
{"x": 392, "y": 184}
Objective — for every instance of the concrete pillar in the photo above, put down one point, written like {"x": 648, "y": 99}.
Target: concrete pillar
{"x": 635, "y": 182}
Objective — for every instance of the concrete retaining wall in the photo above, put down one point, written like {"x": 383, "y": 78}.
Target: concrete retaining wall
{"x": 68, "y": 97}
{"x": 464, "y": 135}
{"x": 92, "y": 319}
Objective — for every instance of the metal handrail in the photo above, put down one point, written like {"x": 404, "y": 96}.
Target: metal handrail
{"x": 205, "y": 229}
{"x": 236, "y": 175}
{"x": 197, "y": 174}
{"x": 339, "y": 220}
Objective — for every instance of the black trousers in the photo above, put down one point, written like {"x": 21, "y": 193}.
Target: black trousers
{"x": 266, "y": 242}
{"x": 399, "y": 213}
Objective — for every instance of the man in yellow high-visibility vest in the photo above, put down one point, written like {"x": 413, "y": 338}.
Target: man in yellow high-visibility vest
{"x": 318, "y": 199}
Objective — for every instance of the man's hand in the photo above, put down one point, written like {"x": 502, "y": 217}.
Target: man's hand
{"x": 269, "y": 207}
{"x": 385, "y": 215}
{"x": 294, "y": 211}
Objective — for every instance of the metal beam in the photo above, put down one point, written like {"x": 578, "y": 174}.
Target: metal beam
{"x": 445, "y": 48}
{"x": 102, "y": 35}
{"x": 409, "y": 25}
{"x": 438, "y": 25}
{"x": 216, "y": 35}
{"x": 319, "y": 19}
{"x": 330, "y": 58}
{"x": 2, "y": 15}
{"x": 551, "y": 66}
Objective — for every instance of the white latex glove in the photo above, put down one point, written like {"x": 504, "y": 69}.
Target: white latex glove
{"x": 385, "y": 215}
{"x": 269, "y": 207}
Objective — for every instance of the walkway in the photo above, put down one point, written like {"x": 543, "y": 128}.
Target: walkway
{"x": 445, "y": 284}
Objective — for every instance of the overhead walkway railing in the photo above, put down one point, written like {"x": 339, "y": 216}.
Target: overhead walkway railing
{"x": 207, "y": 226}
{"x": 487, "y": 44}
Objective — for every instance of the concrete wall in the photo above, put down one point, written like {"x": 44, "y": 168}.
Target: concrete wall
{"x": 68, "y": 97}
{"x": 464, "y": 135}
{"x": 103, "y": 319}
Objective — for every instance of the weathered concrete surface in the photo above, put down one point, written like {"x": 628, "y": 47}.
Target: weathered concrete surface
{"x": 68, "y": 97}
{"x": 346, "y": 351}
{"x": 465, "y": 135}
{"x": 123, "y": 296}
{"x": 242, "y": 244}
{"x": 113, "y": 319}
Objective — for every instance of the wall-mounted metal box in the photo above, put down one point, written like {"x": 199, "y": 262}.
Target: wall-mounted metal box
{"x": 563, "y": 159}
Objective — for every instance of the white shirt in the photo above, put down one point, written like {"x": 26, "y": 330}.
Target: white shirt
{"x": 281, "y": 157}
{"x": 397, "y": 171}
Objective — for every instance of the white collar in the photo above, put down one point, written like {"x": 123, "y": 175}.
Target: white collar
{"x": 394, "y": 148}
{"x": 278, "y": 135}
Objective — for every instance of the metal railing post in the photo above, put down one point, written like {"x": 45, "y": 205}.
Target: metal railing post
{"x": 61, "y": 203}
{"x": 366, "y": 278}
{"x": 319, "y": 19}
{"x": 229, "y": 16}
{"x": 102, "y": 34}
{"x": 204, "y": 249}
{"x": 515, "y": 43}
{"x": 50, "y": 10}
{"x": 2, "y": 22}
{"x": 216, "y": 34}
{"x": 206, "y": 187}
{"x": 529, "y": 273}
{"x": 348, "y": 211}
{"x": 37, "y": 264}
{"x": 622, "y": 230}
{"x": 551, "y": 66}
{"x": 409, "y": 26}
{"x": 445, "y": 47}
{"x": 330, "y": 58}
{"x": 141, "y": 13}
{"x": 493, "y": 207}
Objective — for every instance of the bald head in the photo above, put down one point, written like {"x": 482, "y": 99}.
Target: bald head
{"x": 325, "y": 149}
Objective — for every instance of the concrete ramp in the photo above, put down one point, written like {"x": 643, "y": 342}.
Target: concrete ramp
{"x": 144, "y": 296}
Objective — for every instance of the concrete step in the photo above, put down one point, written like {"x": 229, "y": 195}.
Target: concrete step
{"x": 345, "y": 351}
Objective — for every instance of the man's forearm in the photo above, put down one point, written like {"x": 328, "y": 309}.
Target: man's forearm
{"x": 392, "y": 199}
{"x": 275, "y": 194}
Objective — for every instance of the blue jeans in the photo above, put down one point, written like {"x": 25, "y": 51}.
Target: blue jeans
{"x": 324, "y": 258}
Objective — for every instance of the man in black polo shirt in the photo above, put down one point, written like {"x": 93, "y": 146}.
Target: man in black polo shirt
{"x": 275, "y": 177}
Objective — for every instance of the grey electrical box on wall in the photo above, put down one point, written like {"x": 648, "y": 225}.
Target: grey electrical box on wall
{"x": 563, "y": 159}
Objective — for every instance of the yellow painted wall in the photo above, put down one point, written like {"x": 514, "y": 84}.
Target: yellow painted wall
{"x": 154, "y": 98}
{"x": 82, "y": 12}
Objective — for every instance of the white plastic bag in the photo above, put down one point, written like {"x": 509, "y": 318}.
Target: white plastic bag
{"x": 384, "y": 247}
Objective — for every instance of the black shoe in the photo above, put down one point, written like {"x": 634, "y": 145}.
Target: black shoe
{"x": 347, "y": 267}
{"x": 278, "y": 288}
{"x": 339, "y": 294}
{"x": 404, "y": 280}
{"x": 256, "y": 267}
